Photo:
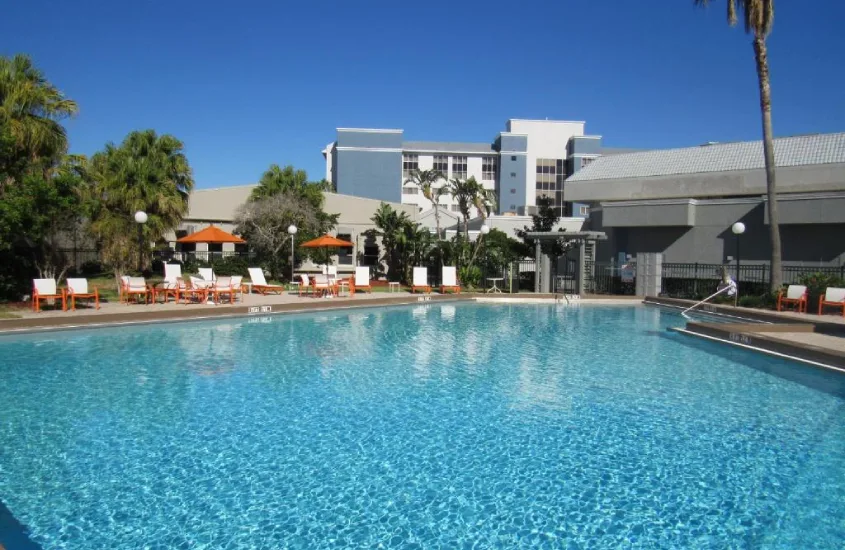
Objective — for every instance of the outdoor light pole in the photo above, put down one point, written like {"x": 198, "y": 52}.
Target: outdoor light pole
{"x": 292, "y": 229}
{"x": 485, "y": 229}
{"x": 738, "y": 229}
{"x": 140, "y": 219}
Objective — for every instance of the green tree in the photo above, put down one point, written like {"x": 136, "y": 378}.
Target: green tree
{"x": 146, "y": 172}
{"x": 545, "y": 221}
{"x": 264, "y": 223}
{"x": 31, "y": 109}
{"x": 405, "y": 242}
{"x": 759, "y": 15}
{"x": 277, "y": 179}
{"x": 425, "y": 180}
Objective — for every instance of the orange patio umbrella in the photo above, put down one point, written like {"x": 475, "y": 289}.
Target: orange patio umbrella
{"x": 211, "y": 234}
{"x": 326, "y": 241}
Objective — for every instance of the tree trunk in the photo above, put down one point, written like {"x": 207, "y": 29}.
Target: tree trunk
{"x": 761, "y": 56}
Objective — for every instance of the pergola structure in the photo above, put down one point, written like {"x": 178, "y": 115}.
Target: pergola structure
{"x": 542, "y": 274}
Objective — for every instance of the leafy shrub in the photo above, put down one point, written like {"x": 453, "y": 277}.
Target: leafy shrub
{"x": 470, "y": 276}
{"x": 91, "y": 268}
{"x": 231, "y": 265}
{"x": 817, "y": 283}
{"x": 751, "y": 301}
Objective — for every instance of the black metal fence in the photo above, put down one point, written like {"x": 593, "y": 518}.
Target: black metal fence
{"x": 697, "y": 280}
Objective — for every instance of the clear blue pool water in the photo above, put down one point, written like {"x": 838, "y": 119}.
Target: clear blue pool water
{"x": 453, "y": 426}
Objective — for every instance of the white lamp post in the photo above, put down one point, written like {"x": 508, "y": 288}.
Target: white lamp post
{"x": 292, "y": 229}
{"x": 141, "y": 218}
{"x": 738, "y": 229}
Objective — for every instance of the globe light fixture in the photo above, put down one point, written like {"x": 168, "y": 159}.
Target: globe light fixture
{"x": 141, "y": 218}
{"x": 292, "y": 229}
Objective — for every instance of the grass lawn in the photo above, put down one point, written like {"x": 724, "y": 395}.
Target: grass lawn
{"x": 8, "y": 313}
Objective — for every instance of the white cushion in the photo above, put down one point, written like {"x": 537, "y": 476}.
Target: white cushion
{"x": 305, "y": 280}
{"x": 77, "y": 286}
{"x": 795, "y": 291}
{"x": 257, "y": 276}
{"x": 45, "y": 286}
{"x": 137, "y": 283}
{"x": 834, "y": 294}
{"x": 420, "y": 276}
{"x": 223, "y": 283}
{"x": 362, "y": 276}
{"x": 206, "y": 273}
{"x": 172, "y": 273}
{"x": 450, "y": 276}
{"x": 321, "y": 280}
{"x": 236, "y": 281}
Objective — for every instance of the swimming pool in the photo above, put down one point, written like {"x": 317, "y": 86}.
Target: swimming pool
{"x": 477, "y": 426}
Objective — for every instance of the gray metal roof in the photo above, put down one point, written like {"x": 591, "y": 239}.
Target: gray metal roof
{"x": 717, "y": 157}
{"x": 448, "y": 147}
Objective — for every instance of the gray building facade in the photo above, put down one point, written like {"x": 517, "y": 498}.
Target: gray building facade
{"x": 683, "y": 202}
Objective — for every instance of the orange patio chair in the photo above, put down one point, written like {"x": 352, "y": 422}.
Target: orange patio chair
{"x": 134, "y": 286}
{"x": 833, "y": 297}
{"x": 78, "y": 289}
{"x": 45, "y": 289}
{"x": 795, "y": 295}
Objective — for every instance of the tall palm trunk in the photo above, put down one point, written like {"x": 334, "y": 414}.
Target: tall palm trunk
{"x": 760, "y": 54}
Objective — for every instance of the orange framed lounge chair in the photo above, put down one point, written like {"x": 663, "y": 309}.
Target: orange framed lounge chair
{"x": 795, "y": 295}
{"x": 833, "y": 297}
{"x": 450, "y": 280}
{"x": 259, "y": 283}
{"x": 45, "y": 289}
{"x": 78, "y": 289}
{"x": 134, "y": 286}
{"x": 304, "y": 285}
{"x": 196, "y": 291}
{"x": 361, "y": 282}
{"x": 224, "y": 286}
{"x": 421, "y": 280}
{"x": 321, "y": 285}
{"x": 172, "y": 285}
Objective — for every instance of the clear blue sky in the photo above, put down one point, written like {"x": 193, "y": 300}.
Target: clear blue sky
{"x": 247, "y": 84}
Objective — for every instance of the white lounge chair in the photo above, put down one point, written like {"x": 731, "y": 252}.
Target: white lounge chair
{"x": 78, "y": 289}
{"x": 223, "y": 285}
{"x": 134, "y": 286}
{"x": 46, "y": 289}
{"x": 206, "y": 273}
{"x": 421, "y": 280}
{"x": 833, "y": 297}
{"x": 259, "y": 283}
{"x": 450, "y": 280}
{"x": 173, "y": 283}
{"x": 237, "y": 285}
{"x": 323, "y": 285}
{"x": 362, "y": 280}
{"x": 305, "y": 284}
{"x": 795, "y": 295}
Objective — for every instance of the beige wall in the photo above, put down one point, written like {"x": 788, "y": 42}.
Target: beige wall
{"x": 219, "y": 206}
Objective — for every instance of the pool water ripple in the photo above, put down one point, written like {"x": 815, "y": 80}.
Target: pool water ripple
{"x": 436, "y": 426}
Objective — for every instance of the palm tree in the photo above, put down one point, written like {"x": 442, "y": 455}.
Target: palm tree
{"x": 464, "y": 193}
{"x": 425, "y": 180}
{"x": 146, "y": 172}
{"x": 391, "y": 227}
{"x": 759, "y": 15}
{"x": 30, "y": 110}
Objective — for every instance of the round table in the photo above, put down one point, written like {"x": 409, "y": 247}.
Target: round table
{"x": 494, "y": 288}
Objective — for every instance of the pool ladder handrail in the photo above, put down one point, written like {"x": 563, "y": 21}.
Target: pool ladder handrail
{"x": 721, "y": 290}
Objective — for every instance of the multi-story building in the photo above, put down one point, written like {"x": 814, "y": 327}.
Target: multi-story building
{"x": 531, "y": 158}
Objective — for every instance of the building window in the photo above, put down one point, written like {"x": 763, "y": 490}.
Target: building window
{"x": 410, "y": 163}
{"x": 345, "y": 254}
{"x": 459, "y": 167}
{"x": 488, "y": 168}
{"x": 371, "y": 255}
{"x": 513, "y": 174}
{"x": 513, "y": 191}
{"x": 441, "y": 164}
{"x": 456, "y": 208}
{"x": 584, "y": 210}
{"x": 550, "y": 176}
{"x": 410, "y": 190}
{"x": 513, "y": 158}
{"x": 585, "y": 162}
